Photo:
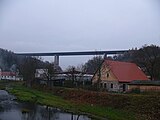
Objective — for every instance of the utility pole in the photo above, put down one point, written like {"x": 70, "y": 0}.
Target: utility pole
{"x": 99, "y": 74}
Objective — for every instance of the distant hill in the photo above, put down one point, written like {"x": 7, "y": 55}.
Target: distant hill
{"x": 24, "y": 65}
{"x": 8, "y": 60}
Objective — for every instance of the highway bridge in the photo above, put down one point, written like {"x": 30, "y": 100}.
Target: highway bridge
{"x": 57, "y": 54}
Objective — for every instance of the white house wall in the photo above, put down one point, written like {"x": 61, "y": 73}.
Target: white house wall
{"x": 8, "y": 78}
{"x": 110, "y": 85}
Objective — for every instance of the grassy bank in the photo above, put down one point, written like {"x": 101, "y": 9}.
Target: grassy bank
{"x": 145, "y": 106}
{"x": 47, "y": 98}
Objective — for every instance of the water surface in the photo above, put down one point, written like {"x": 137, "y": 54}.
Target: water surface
{"x": 13, "y": 110}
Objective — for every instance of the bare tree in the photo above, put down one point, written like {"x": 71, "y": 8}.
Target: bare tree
{"x": 148, "y": 58}
{"x": 71, "y": 71}
{"x": 49, "y": 72}
{"x": 28, "y": 68}
{"x": 92, "y": 65}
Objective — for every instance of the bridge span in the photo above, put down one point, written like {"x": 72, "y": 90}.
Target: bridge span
{"x": 57, "y": 54}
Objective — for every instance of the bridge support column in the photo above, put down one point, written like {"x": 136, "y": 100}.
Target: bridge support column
{"x": 105, "y": 56}
{"x": 56, "y": 61}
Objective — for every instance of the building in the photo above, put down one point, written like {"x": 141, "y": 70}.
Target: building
{"x": 144, "y": 86}
{"x": 115, "y": 75}
{"x": 61, "y": 77}
{"x": 41, "y": 74}
{"x": 10, "y": 76}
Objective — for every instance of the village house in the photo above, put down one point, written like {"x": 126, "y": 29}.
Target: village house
{"x": 41, "y": 74}
{"x": 115, "y": 75}
{"x": 10, "y": 76}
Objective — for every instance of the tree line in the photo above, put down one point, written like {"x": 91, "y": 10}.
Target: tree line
{"x": 147, "y": 58}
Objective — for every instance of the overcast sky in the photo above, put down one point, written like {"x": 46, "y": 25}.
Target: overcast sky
{"x": 78, "y": 25}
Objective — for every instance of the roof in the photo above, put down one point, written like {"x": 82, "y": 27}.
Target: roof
{"x": 8, "y": 74}
{"x": 125, "y": 71}
{"x": 145, "y": 82}
{"x": 71, "y": 72}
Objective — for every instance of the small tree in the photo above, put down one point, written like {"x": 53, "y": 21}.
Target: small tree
{"x": 93, "y": 64}
{"x": 71, "y": 73}
{"x": 28, "y": 68}
{"x": 49, "y": 72}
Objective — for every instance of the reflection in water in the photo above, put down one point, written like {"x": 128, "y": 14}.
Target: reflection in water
{"x": 37, "y": 112}
{"x": 11, "y": 110}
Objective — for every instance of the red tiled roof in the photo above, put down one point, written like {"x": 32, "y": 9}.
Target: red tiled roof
{"x": 8, "y": 73}
{"x": 126, "y": 72}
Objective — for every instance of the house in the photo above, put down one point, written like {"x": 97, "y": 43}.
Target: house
{"x": 41, "y": 73}
{"x": 10, "y": 76}
{"x": 115, "y": 75}
{"x": 144, "y": 86}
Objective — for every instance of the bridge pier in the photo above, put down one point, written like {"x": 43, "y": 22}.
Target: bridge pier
{"x": 105, "y": 56}
{"x": 56, "y": 61}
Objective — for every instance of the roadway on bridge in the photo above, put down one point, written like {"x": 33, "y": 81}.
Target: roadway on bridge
{"x": 74, "y": 53}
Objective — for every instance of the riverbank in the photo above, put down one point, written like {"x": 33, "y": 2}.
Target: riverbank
{"x": 99, "y": 105}
{"x": 95, "y": 111}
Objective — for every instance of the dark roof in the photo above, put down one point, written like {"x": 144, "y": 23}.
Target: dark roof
{"x": 71, "y": 72}
{"x": 125, "y": 71}
{"x": 8, "y": 73}
{"x": 146, "y": 82}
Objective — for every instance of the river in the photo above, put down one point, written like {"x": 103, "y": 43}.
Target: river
{"x": 10, "y": 109}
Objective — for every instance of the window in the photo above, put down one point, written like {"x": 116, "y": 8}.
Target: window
{"x": 111, "y": 85}
{"x": 124, "y": 87}
{"x": 101, "y": 84}
{"x": 105, "y": 85}
{"x": 107, "y": 74}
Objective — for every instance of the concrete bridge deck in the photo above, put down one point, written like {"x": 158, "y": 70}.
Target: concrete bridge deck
{"x": 74, "y": 53}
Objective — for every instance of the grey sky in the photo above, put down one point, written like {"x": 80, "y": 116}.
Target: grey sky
{"x": 78, "y": 25}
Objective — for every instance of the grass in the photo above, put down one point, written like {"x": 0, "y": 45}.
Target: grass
{"x": 110, "y": 113}
{"x": 96, "y": 112}
{"x": 30, "y": 95}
